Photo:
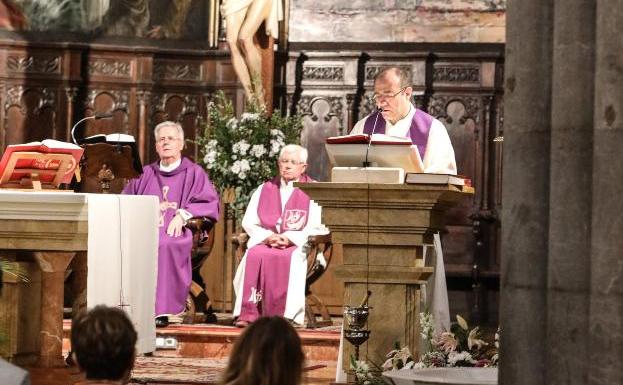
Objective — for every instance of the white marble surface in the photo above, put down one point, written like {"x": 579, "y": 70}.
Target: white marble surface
{"x": 449, "y": 376}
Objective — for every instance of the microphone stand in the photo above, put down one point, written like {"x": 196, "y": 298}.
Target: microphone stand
{"x": 97, "y": 116}
{"x": 366, "y": 164}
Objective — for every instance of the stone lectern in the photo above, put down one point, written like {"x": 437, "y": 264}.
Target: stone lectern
{"x": 383, "y": 229}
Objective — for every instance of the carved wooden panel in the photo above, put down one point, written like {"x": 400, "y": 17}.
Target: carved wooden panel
{"x": 29, "y": 114}
{"x": 322, "y": 118}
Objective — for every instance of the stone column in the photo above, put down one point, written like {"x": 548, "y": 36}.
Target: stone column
{"x": 53, "y": 266}
{"x": 523, "y": 307}
{"x": 562, "y": 291}
{"x": 568, "y": 277}
{"x": 605, "y": 352}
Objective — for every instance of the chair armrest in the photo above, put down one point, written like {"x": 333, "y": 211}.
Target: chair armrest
{"x": 201, "y": 226}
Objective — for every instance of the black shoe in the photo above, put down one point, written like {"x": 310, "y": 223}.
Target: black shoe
{"x": 211, "y": 318}
{"x": 162, "y": 321}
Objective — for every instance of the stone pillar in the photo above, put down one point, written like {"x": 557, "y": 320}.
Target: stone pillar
{"x": 605, "y": 351}
{"x": 523, "y": 306}
{"x": 53, "y": 266}
{"x": 568, "y": 278}
{"x": 562, "y": 291}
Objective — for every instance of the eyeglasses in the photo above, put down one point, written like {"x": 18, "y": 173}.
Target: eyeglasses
{"x": 166, "y": 139}
{"x": 380, "y": 97}
{"x": 290, "y": 161}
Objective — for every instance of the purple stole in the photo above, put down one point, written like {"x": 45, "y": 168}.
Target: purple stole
{"x": 418, "y": 133}
{"x": 267, "y": 269}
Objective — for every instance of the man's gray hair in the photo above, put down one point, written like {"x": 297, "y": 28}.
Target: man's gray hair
{"x": 169, "y": 123}
{"x": 404, "y": 77}
{"x": 295, "y": 149}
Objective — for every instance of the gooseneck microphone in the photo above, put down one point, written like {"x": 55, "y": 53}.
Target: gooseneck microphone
{"x": 378, "y": 112}
{"x": 96, "y": 116}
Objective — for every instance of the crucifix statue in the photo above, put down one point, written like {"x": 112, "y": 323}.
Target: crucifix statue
{"x": 251, "y": 46}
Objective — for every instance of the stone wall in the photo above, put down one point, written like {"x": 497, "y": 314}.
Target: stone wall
{"x": 457, "y": 21}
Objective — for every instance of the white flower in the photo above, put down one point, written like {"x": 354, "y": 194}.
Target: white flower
{"x": 240, "y": 147}
{"x": 473, "y": 339}
{"x": 235, "y": 168}
{"x": 461, "y": 321}
{"x": 249, "y": 116}
{"x": 232, "y": 123}
{"x": 244, "y": 165}
{"x": 258, "y": 150}
{"x": 454, "y": 358}
{"x": 277, "y": 133}
{"x": 426, "y": 321}
{"x": 275, "y": 147}
{"x": 210, "y": 158}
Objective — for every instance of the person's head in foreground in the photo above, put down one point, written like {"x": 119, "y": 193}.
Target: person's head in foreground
{"x": 292, "y": 162}
{"x": 268, "y": 352}
{"x": 103, "y": 343}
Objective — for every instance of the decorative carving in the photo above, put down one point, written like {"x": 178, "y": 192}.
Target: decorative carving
{"x": 120, "y": 99}
{"x": 330, "y": 73}
{"x": 336, "y": 107}
{"x": 453, "y": 74}
{"x": 43, "y": 64}
{"x": 190, "y": 106}
{"x": 373, "y": 70}
{"x": 367, "y": 106}
{"x": 14, "y": 95}
{"x": 439, "y": 104}
{"x": 143, "y": 96}
{"x": 177, "y": 71}
{"x": 71, "y": 93}
{"x": 110, "y": 67}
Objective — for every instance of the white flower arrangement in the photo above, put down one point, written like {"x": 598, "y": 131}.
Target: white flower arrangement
{"x": 241, "y": 153}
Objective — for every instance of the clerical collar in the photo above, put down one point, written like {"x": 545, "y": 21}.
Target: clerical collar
{"x": 409, "y": 115}
{"x": 170, "y": 167}
{"x": 289, "y": 184}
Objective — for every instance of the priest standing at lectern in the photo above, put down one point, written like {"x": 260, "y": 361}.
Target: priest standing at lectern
{"x": 397, "y": 116}
{"x": 184, "y": 191}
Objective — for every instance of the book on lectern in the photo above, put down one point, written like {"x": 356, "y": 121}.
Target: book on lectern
{"x": 49, "y": 161}
{"x": 378, "y": 150}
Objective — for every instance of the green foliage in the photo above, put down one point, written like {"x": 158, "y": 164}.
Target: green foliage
{"x": 241, "y": 153}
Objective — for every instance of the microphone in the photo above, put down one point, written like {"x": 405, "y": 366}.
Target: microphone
{"x": 96, "y": 116}
{"x": 378, "y": 112}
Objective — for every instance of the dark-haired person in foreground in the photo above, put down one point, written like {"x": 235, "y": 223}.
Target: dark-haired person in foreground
{"x": 103, "y": 343}
{"x": 268, "y": 352}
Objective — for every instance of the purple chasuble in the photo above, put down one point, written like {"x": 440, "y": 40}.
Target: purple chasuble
{"x": 418, "y": 132}
{"x": 267, "y": 269}
{"x": 187, "y": 187}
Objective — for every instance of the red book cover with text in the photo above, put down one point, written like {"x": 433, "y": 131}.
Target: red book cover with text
{"x": 36, "y": 156}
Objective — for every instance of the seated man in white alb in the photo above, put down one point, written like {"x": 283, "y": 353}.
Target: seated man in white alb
{"x": 270, "y": 279}
{"x": 397, "y": 116}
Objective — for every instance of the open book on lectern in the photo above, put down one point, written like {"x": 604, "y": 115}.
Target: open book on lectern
{"x": 383, "y": 151}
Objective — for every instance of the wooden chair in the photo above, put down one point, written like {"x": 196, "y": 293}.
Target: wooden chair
{"x": 317, "y": 248}
{"x": 203, "y": 241}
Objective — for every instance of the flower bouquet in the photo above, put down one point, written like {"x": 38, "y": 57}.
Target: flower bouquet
{"x": 241, "y": 153}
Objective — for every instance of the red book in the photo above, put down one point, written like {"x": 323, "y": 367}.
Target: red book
{"x": 365, "y": 138}
{"x": 51, "y": 160}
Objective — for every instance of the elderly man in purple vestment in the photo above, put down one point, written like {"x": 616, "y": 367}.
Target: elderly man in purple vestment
{"x": 397, "y": 116}
{"x": 270, "y": 279}
{"x": 184, "y": 191}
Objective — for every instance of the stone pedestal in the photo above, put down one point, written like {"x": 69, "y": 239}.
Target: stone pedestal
{"x": 46, "y": 229}
{"x": 383, "y": 229}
